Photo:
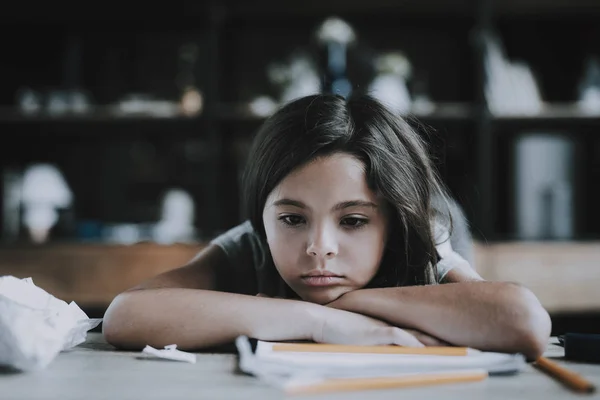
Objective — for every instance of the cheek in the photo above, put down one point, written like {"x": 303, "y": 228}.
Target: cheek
{"x": 365, "y": 253}
{"x": 284, "y": 248}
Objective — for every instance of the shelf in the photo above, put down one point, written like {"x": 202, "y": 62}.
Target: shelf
{"x": 240, "y": 112}
{"x": 96, "y": 115}
{"x": 447, "y": 112}
{"x": 556, "y": 111}
{"x": 553, "y": 114}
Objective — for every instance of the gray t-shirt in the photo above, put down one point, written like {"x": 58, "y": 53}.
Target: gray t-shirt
{"x": 250, "y": 268}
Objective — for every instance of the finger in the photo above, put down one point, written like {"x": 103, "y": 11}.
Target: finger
{"x": 431, "y": 341}
{"x": 426, "y": 339}
{"x": 403, "y": 338}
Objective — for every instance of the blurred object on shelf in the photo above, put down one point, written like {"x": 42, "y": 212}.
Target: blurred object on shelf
{"x": 421, "y": 100}
{"x": 545, "y": 186}
{"x": 296, "y": 77}
{"x": 60, "y": 102}
{"x": 44, "y": 192}
{"x": 11, "y": 204}
{"x": 127, "y": 234}
{"x": 589, "y": 87}
{"x": 79, "y": 101}
{"x": 29, "y": 101}
{"x": 390, "y": 84}
{"x": 143, "y": 104}
{"x": 336, "y": 35}
{"x": 89, "y": 231}
{"x": 510, "y": 87}
{"x": 177, "y": 219}
{"x": 263, "y": 106}
{"x": 192, "y": 100}
{"x": 55, "y": 102}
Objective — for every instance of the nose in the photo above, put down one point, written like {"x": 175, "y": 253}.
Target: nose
{"x": 322, "y": 243}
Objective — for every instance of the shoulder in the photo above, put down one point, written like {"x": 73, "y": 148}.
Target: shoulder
{"x": 450, "y": 258}
{"x": 250, "y": 260}
{"x": 236, "y": 236}
{"x": 242, "y": 244}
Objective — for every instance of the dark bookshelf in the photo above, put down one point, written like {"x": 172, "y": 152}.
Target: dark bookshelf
{"x": 114, "y": 54}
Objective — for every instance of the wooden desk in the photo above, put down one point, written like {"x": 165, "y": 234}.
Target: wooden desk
{"x": 562, "y": 275}
{"x": 93, "y": 370}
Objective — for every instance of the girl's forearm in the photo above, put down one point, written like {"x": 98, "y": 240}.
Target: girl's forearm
{"x": 195, "y": 319}
{"x": 490, "y": 316}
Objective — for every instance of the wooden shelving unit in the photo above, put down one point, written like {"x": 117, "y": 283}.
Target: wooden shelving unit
{"x": 235, "y": 40}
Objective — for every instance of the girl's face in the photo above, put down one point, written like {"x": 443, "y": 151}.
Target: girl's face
{"x": 325, "y": 228}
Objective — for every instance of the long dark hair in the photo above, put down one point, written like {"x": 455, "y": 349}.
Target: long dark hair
{"x": 397, "y": 164}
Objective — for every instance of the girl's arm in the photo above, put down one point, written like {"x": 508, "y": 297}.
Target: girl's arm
{"x": 181, "y": 307}
{"x": 465, "y": 311}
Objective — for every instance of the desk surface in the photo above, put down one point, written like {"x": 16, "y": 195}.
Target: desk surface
{"x": 94, "y": 370}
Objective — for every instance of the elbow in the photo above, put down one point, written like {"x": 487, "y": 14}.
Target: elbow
{"x": 117, "y": 323}
{"x": 532, "y": 324}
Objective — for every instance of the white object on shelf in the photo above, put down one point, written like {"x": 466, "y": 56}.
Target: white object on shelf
{"x": 335, "y": 29}
{"x": 296, "y": 78}
{"x": 44, "y": 192}
{"x": 510, "y": 88}
{"x": 177, "y": 219}
{"x": 389, "y": 86}
{"x": 589, "y": 87}
{"x": 544, "y": 190}
{"x": 263, "y": 106}
{"x": 29, "y": 100}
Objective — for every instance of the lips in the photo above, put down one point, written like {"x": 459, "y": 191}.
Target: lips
{"x": 320, "y": 272}
{"x": 321, "y": 278}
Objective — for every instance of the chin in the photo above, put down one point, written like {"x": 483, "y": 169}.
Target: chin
{"x": 324, "y": 297}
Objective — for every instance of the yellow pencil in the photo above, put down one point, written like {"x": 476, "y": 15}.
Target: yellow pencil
{"x": 356, "y": 384}
{"x": 339, "y": 348}
{"x": 570, "y": 379}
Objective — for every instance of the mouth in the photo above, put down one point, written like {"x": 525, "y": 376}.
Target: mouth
{"x": 322, "y": 278}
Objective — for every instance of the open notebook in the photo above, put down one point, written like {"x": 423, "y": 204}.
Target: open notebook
{"x": 292, "y": 366}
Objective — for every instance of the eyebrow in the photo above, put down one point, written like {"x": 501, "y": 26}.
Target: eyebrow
{"x": 337, "y": 207}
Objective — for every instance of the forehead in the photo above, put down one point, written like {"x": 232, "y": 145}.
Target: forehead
{"x": 340, "y": 176}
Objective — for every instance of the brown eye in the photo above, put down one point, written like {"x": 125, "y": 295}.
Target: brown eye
{"x": 292, "y": 220}
{"x": 353, "y": 222}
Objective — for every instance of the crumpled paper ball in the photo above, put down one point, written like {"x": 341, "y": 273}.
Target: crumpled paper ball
{"x": 36, "y": 326}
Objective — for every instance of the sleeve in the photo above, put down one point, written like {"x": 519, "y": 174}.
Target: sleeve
{"x": 451, "y": 256}
{"x": 242, "y": 248}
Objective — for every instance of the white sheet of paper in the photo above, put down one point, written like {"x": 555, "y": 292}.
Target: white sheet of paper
{"x": 281, "y": 369}
{"x": 35, "y": 326}
{"x": 170, "y": 352}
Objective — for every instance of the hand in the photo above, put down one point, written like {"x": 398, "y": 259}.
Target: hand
{"x": 344, "y": 303}
{"x": 345, "y": 327}
{"x": 426, "y": 339}
{"x": 369, "y": 331}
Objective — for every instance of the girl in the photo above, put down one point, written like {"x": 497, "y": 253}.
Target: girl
{"x": 350, "y": 238}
